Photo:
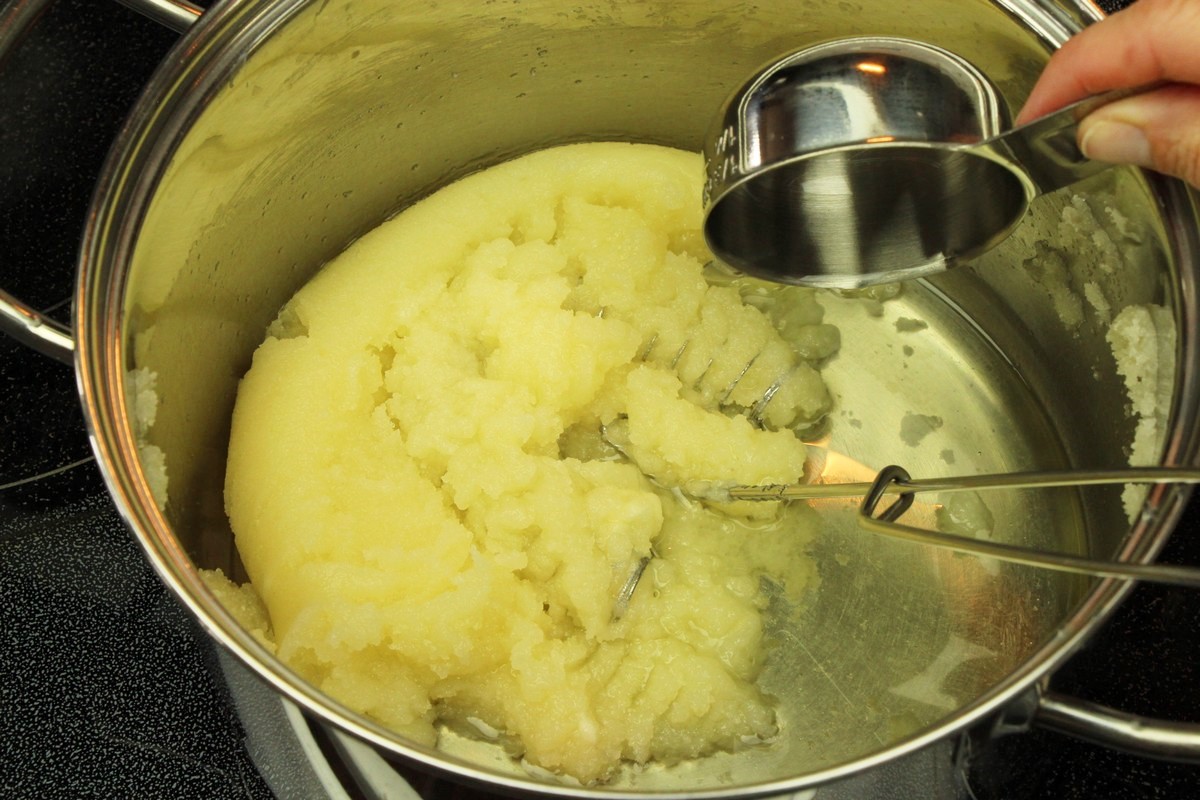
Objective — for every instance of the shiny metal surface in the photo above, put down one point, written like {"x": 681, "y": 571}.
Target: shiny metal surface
{"x": 32, "y": 328}
{"x": 18, "y": 319}
{"x": 895, "y": 480}
{"x": 1045, "y": 150}
{"x": 178, "y": 15}
{"x": 1132, "y": 733}
{"x": 874, "y": 159}
{"x": 205, "y": 225}
{"x": 824, "y": 170}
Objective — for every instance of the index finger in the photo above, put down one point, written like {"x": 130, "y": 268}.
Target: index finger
{"x": 1151, "y": 40}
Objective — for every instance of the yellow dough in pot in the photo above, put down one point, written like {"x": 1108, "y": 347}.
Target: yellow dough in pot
{"x": 426, "y": 497}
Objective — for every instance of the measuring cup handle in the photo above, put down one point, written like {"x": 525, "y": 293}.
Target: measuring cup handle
{"x": 1047, "y": 149}
{"x": 1141, "y": 736}
{"x": 25, "y": 324}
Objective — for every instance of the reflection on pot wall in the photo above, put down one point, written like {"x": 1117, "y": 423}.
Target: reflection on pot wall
{"x": 356, "y": 108}
{"x": 353, "y": 109}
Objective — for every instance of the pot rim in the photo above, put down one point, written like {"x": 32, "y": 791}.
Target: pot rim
{"x": 177, "y": 94}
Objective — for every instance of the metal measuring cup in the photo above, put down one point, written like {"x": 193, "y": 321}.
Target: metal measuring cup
{"x": 876, "y": 159}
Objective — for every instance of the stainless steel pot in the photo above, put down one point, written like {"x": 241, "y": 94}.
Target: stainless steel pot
{"x": 277, "y": 132}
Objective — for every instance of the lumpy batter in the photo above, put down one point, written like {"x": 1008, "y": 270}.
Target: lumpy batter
{"x": 424, "y": 487}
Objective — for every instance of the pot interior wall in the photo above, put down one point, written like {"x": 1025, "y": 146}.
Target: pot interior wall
{"x": 353, "y": 109}
{"x": 350, "y": 110}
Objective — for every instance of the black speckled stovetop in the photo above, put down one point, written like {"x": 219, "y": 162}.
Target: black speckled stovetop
{"x": 105, "y": 684}
{"x": 104, "y": 687}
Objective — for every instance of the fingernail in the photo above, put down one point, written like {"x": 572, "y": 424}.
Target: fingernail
{"x": 1115, "y": 143}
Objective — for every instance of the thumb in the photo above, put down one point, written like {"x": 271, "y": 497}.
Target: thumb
{"x": 1158, "y": 130}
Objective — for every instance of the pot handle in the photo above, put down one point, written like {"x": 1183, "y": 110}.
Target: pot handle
{"x": 25, "y": 324}
{"x": 178, "y": 15}
{"x": 31, "y": 328}
{"x": 1118, "y": 730}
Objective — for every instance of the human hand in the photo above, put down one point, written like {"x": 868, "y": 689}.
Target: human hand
{"x": 1148, "y": 42}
